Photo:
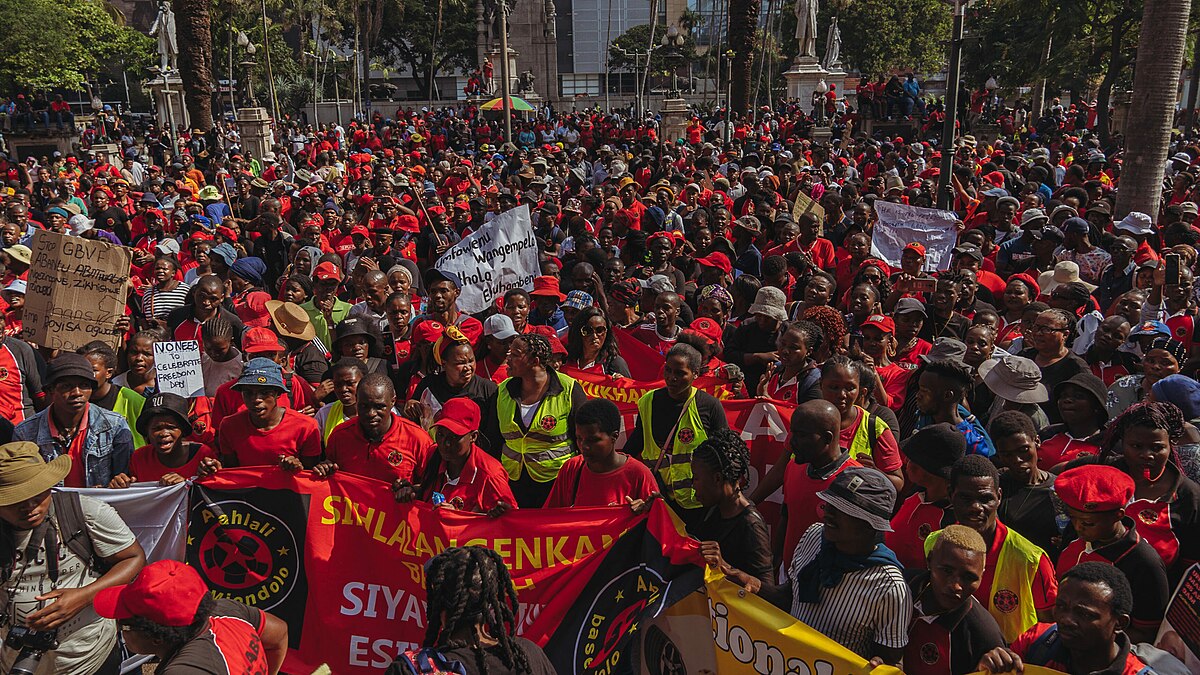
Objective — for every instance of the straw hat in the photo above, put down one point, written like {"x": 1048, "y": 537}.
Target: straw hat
{"x": 24, "y": 474}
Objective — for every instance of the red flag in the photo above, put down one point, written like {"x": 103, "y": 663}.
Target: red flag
{"x": 645, "y": 364}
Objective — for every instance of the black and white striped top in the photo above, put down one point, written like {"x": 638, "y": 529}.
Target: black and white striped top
{"x": 867, "y": 607}
{"x": 158, "y": 304}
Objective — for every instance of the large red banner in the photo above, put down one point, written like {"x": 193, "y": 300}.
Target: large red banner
{"x": 343, "y": 564}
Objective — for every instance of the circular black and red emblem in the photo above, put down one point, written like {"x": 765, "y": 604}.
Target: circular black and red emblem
{"x": 930, "y": 653}
{"x": 1005, "y": 600}
{"x": 686, "y": 436}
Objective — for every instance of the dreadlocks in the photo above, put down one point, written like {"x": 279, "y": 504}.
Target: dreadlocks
{"x": 726, "y": 454}
{"x": 469, "y": 586}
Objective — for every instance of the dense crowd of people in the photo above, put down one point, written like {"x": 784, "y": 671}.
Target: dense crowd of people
{"x": 989, "y": 464}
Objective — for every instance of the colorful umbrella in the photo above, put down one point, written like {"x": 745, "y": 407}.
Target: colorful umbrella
{"x": 515, "y": 102}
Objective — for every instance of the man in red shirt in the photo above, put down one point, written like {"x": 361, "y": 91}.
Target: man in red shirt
{"x": 377, "y": 442}
{"x": 599, "y": 475}
{"x": 266, "y": 432}
{"x": 1089, "y": 633}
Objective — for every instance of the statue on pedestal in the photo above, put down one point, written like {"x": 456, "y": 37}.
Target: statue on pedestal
{"x": 525, "y": 82}
{"x": 164, "y": 29}
{"x": 833, "y": 47}
{"x": 806, "y": 28}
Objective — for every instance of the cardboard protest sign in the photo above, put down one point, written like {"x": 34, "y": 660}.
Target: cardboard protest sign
{"x": 76, "y": 291}
{"x": 900, "y": 225}
{"x": 177, "y": 365}
{"x": 497, "y": 257}
{"x": 805, "y": 204}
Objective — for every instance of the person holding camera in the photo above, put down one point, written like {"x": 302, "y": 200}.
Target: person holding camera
{"x": 57, "y": 552}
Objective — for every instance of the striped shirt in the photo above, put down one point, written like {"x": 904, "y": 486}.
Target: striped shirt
{"x": 158, "y": 304}
{"x": 866, "y": 608}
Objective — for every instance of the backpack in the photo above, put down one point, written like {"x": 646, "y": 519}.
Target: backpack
{"x": 426, "y": 661}
{"x": 68, "y": 514}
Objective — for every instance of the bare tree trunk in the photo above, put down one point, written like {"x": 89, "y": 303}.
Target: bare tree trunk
{"x": 1155, "y": 86}
{"x": 194, "y": 35}
{"x": 743, "y": 22}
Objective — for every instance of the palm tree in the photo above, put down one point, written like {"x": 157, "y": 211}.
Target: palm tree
{"x": 1155, "y": 83}
{"x": 743, "y": 26}
{"x": 193, "y": 28}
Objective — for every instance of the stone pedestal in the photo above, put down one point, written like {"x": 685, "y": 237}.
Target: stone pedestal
{"x": 254, "y": 125}
{"x": 21, "y": 146}
{"x": 167, "y": 93}
{"x": 498, "y": 72}
{"x": 675, "y": 118}
{"x": 822, "y": 135}
{"x": 802, "y": 79}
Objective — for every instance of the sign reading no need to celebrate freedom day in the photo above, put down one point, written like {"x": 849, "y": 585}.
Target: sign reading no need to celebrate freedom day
{"x": 76, "y": 291}
{"x": 900, "y": 225}
{"x": 177, "y": 365}
{"x": 498, "y": 257}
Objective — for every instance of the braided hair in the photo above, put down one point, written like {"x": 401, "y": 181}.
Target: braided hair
{"x": 725, "y": 453}
{"x": 469, "y": 586}
{"x": 539, "y": 347}
{"x": 1149, "y": 415}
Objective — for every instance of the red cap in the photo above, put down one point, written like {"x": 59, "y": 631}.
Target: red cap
{"x": 460, "y": 416}
{"x": 556, "y": 346}
{"x": 718, "y": 260}
{"x": 547, "y": 286}
{"x": 437, "y": 208}
{"x": 167, "y": 592}
{"x": 427, "y": 331}
{"x": 709, "y": 329}
{"x": 227, "y": 232}
{"x": 253, "y": 310}
{"x": 919, "y": 248}
{"x": 360, "y": 229}
{"x": 883, "y": 323}
{"x": 260, "y": 340}
{"x": 408, "y": 223}
{"x": 327, "y": 270}
{"x": 1094, "y": 487}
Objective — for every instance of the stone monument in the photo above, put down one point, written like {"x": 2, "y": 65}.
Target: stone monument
{"x": 167, "y": 88}
{"x": 806, "y": 70}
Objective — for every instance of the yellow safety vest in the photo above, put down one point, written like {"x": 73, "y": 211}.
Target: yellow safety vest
{"x": 861, "y": 444}
{"x": 1011, "y": 604}
{"x": 674, "y": 469}
{"x": 337, "y": 415}
{"x": 545, "y": 446}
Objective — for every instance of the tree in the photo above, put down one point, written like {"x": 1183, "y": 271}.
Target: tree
{"x": 661, "y": 60}
{"x": 60, "y": 43}
{"x": 743, "y": 26}
{"x": 882, "y": 35}
{"x": 407, "y": 37}
{"x": 193, "y": 28}
{"x": 1155, "y": 84}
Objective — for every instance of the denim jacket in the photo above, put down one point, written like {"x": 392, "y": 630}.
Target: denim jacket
{"x": 106, "y": 449}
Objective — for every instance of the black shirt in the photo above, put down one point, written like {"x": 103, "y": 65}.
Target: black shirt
{"x": 1060, "y": 371}
{"x": 954, "y": 327}
{"x": 1141, "y": 564}
{"x": 750, "y": 339}
{"x": 743, "y": 538}
{"x": 1032, "y": 510}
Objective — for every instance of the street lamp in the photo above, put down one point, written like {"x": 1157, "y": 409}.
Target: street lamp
{"x": 673, "y": 42}
{"x": 819, "y": 101}
{"x": 636, "y": 55}
{"x": 248, "y": 68}
{"x": 728, "y": 94}
{"x": 944, "y": 198}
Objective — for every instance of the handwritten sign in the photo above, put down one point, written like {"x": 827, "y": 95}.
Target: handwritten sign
{"x": 76, "y": 291}
{"x": 499, "y": 256}
{"x": 178, "y": 367}
{"x": 805, "y": 204}
{"x": 901, "y": 224}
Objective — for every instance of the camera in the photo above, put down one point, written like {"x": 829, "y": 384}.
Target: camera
{"x": 31, "y": 645}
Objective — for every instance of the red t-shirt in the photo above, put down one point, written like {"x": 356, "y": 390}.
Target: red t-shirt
{"x": 915, "y": 520}
{"x": 1044, "y": 586}
{"x": 885, "y": 454}
{"x": 397, "y": 455}
{"x": 296, "y": 435}
{"x": 895, "y": 383}
{"x": 75, "y": 477}
{"x": 482, "y": 483}
{"x": 228, "y": 400}
{"x": 914, "y": 355}
{"x": 1132, "y": 666}
{"x": 146, "y": 467}
{"x": 578, "y": 485}
{"x": 648, "y": 334}
{"x": 804, "y": 508}
{"x": 1063, "y": 448}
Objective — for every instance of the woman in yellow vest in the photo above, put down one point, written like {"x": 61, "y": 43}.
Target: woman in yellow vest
{"x": 671, "y": 423}
{"x": 534, "y": 421}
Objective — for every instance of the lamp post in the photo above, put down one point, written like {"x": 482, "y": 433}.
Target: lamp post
{"x": 506, "y": 83}
{"x": 728, "y": 55}
{"x": 248, "y": 68}
{"x": 991, "y": 86}
{"x": 673, "y": 42}
{"x": 636, "y": 55}
{"x": 820, "y": 90}
{"x": 944, "y": 199}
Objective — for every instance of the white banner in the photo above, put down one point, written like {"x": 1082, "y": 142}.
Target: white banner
{"x": 899, "y": 225}
{"x": 501, "y": 255}
{"x": 177, "y": 365}
{"x": 156, "y": 514}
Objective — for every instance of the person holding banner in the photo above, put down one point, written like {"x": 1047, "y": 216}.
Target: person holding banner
{"x": 531, "y": 420}
{"x": 672, "y": 422}
{"x": 265, "y": 431}
{"x": 376, "y": 442}
{"x": 599, "y": 475}
{"x": 442, "y": 289}
{"x": 167, "y": 458}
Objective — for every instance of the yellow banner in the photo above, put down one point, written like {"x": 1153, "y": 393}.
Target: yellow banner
{"x": 1029, "y": 670}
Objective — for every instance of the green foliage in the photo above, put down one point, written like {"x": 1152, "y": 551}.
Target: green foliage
{"x": 407, "y": 37}
{"x": 881, "y": 35}
{"x": 60, "y": 43}
{"x": 662, "y": 59}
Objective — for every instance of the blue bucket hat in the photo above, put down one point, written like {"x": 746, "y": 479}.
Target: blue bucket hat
{"x": 226, "y": 252}
{"x": 262, "y": 372}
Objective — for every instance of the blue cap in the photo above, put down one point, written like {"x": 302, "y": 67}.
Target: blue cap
{"x": 1076, "y": 224}
{"x": 149, "y": 198}
{"x": 996, "y": 192}
{"x": 227, "y": 253}
{"x": 578, "y": 300}
{"x": 1149, "y": 328}
{"x": 262, "y": 372}
{"x": 202, "y": 221}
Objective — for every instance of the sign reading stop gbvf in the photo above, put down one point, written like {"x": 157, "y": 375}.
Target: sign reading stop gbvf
{"x": 178, "y": 367}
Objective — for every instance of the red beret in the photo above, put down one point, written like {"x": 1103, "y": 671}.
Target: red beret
{"x": 1094, "y": 488}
